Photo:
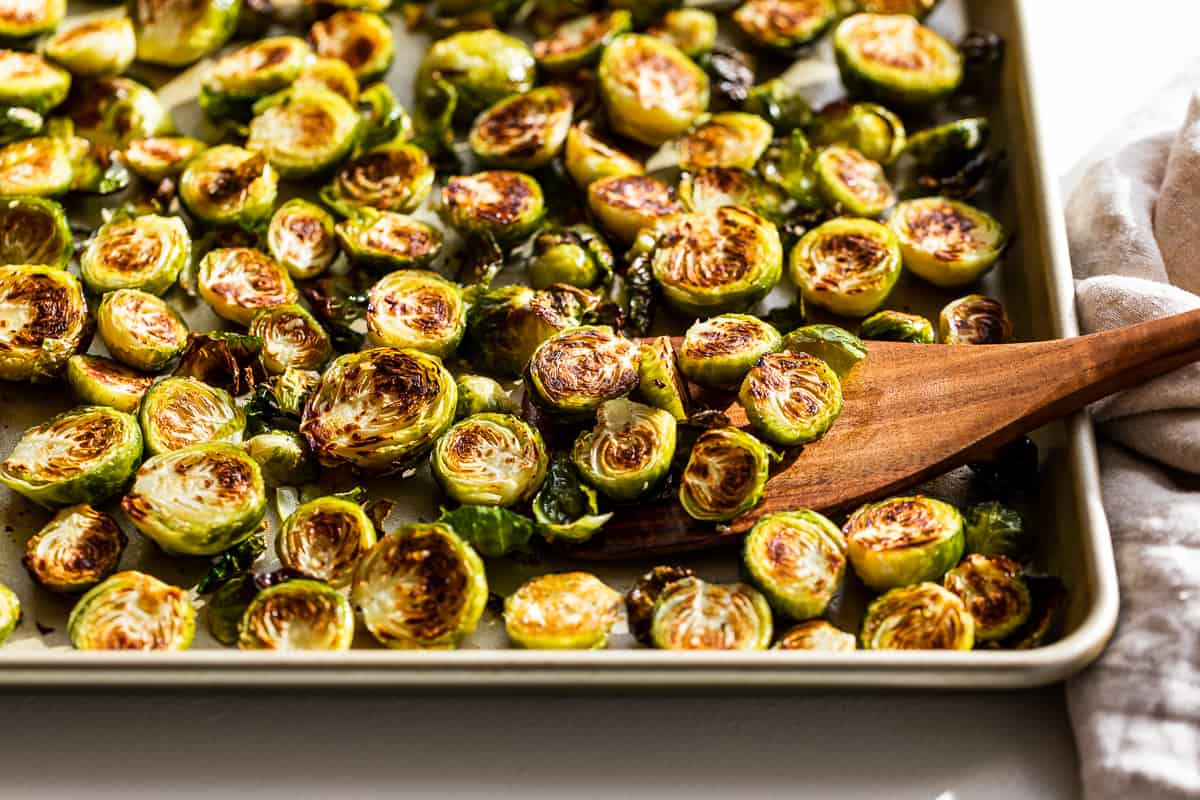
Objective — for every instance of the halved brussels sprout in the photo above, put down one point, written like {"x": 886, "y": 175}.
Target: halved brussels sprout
{"x": 146, "y": 253}
{"x": 869, "y": 128}
{"x": 222, "y": 358}
{"x": 80, "y": 456}
{"x": 158, "y": 157}
{"x": 659, "y": 381}
{"x": 297, "y": 615}
{"x": 897, "y": 326}
{"x": 851, "y": 183}
{"x": 47, "y": 321}
{"x": 10, "y": 612}
{"x": 239, "y": 282}
{"x": 994, "y": 529}
{"x": 22, "y": 20}
{"x": 692, "y": 30}
{"x": 34, "y": 230}
{"x": 420, "y": 587}
{"x": 524, "y": 131}
{"x": 305, "y": 131}
{"x": 132, "y": 611}
{"x": 791, "y": 398}
{"x": 903, "y": 540}
{"x": 576, "y": 371}
{"x": 652, "y": 91}
{"x": 588, "y": 159}
{"x": 564, "y": 611}
{"x": 291, "y": 338}
{"x": 112, "y": 112}
{"x": 332, "y": 74}
{"x": 228, "y": 185}
{"x": 180, "y": 412}
{"x": 139, "y": 329}
{"x": 730, "y": 139}
{"x": 301, "y": 238}
{"x": 641, "y": 597}
{"x": 233, "y": 82}
{"x": 175, "y": 33}
{"x": 625, "y": 204}
{"x": 565, "y": 508}
{"x": 797, "y": 559}
{"x": 895, "y": 60}
{"x": 974, "y": 319}
{"x": 479, "y": 394}
{"x": 98, "y": 381}
{"x": 837, "y": 347}
{"x": 28, "y": 81}
{"x": 507, "y": 324}
{"x": 75, "y": 550}
{"x": 691, "y": 614}
{"x": 947, "y": 242}
{"x": 780, "y": 103}
{"x": 816, "y": 634}
{"x": 923, "y": 616}
{"x": 283, "y": 457}
{"x": 361, "y": 39}
{"x": 718, "y": 352}
{"x": 392, "y": 177}
{"x": 914, "y": 8}
{"x": 325, "y": 538}
{"x": 944, "y": 150}
{"x": 482, "y": 67}
{"x": 725, "y": 475}
{"x": 379, "y": 410}
{"x": 506, "y": 205}
{"x": 713, "y": 187}
{"x": 576, "y": 256}
{"x": 41, "y": 167}
{"x": 711, "y": 262}
{"x": 995, "y": 594}
{"x": 578, "y": 42}
{"x": 418, "y": 309}
{"x": 490, "y": 459}
{"x": 785, "y": 24}
{"x": 384, "y": 240}
{"x": 846, "y": 265}
{"x": 95, "y": 48}
{"x": 629, "y": 451}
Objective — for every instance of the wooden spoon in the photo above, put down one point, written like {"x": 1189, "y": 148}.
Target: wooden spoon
{"x": 913, "y": 412}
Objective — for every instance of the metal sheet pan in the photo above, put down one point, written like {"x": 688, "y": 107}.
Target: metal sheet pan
{"x": 1036, "y": 285}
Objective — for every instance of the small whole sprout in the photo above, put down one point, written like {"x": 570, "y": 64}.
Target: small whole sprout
{"x": 869, "y": 128}
{"x": 791, "y": 398}
{"x": 146, "y": 253}
{"x": 233, "y": 82}
{"x": 524, "y": 131}
{"x": 157, "y": 157}
{"x": 994, "y": 592}
{"x": 564, "y": 611}
{"x": 179, "y": 412}
{"x": 34, "y": 230}
{"x": 112, "y": 112}
{"x": 895, "y": 60}
{"x": 75, "y": 550}
{"x": 816, "y": 634}
{"x": 897, "y": 326}
{"x": 576, "y": 255}
{"x": 305, "y": 131}
{"x": 576, "y": 371}
{"x": 718, "y": 261}
{"x": 691, "y": 614}
{"x": 903, "y": 540}
{"x": 47, "y": 321}
{"x": 483, "y": 67}
{"x": 479, "y": 394}
{"x": 297, "y": 615}
{"x": 421, "y": 587}
{"x": 943, "y": 151}
{"x": 418, "y": 309}
{"x": 283, "y": 457}
{"x": 391, "y": 177}
{"x": 714, "y": 187}
{"x": 837, "y": 347}
{"x": 692, "y": 30}
{"x": 291, "y": 339}
{"x": 198, "y": 500}
{"x": 175, "y": 33}
{"x": 780, "y": 103}
{"x": 852, "y": 183}
{"x": 974, "y": 319}
{"x": 490, "y": 459}
{"x": 228, "y": 185}
{"x": 732, "y": 139}
{"x": 947, "y": 242}
{"x": 660, "y": 383}
{"x": 625, "y": 204}
{"x": 507, "y": 324}
{"x": 797, "y": 559}
{"x": 139, "y": 329}
{"x": 640, "y": 599}
{"x": 23, "y": 20}
{"x": 923, "y": 616}
{"x": 85, "y": 455}
{"x": 28, "y": 81}
{"x": 300, "y": 237}
{"x": 36, "y": 167}
{"x": 994, "y": 529}
{"x": 332, "y": 74}
{"x": 132, "y": 611}
{"x": 629, "y": 451}
{"x": 588, "y": 159}
{"x": 10, "y": 612}
{"x": 361, "y": 39}
{"x": 506, "y": 205}
{"x": 725, "y": 476}
{"x": 718, "y": 352}
{"x": 379, "y": 410}
{"x": 846, "y": 265}
{"x": 785, "y": 24}
{"x": 99, "y": 381}
{"x": 578, "y": 42}
{"x": 324, "y": 539}
{"x": 239, "y": 282}
{"x": 652, "y": 91}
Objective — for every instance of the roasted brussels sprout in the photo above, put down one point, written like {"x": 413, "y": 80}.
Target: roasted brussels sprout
{"x": 96, "y": 48}
{"x": 139, "y": 329}
{"x": 914, "y": 8}
{"x": 10, "y": 612}
{"x": 659, "y": 380}
{"x": 718, "y": 352}
{"x": 506, "y": 205}
{"x": 231, "y": 361}
{"x": 34, "y": 230}
{"x": 576, "y": 371}
{"x": 816, "y": 634}
{"x": 625, "y": 204}
{"x": 846, "y": 265}
{"x": 75, "y": 550}
{"x": 797, "y": 559}
{"x": 836, "y": 346}
{"x": 417, "y": 309}
{"x": 944, "y": 150}
{"x": 158, "y": 157}
{"x": 974, "y": 319}
{"x": 47, "y": 321}
{"x": 576, "y": 256}
{"x": 691, "y": 614}
{"x": 565, "y": 508}
{"x": 868, "y": 128}
{"x": 482, "y": 67}
{"x": 305, "y": 131}
{"x": 41, "y": 167}
{"x": 640, "y": 599}
{"x": 923, "y": 616}
{"x": 146, "y": 253}
{"x": 291, "y": 338}
{"x": 98, "y": 381}
{"x": 947, "y": 242}
{"x": 112, "y": 112}
{"x": 995, "y": 594}
{"x": 791, "y": 398}
{"x": 361, "y": 39}
{"x": 379, "y": 410}
{"x": 132, "y": 611}
{"x": 629, "y": 451}
{"x": 325, "y": 538}
{"x": 420, "y": 587}
{"x": 233, "y": 82}
{"x": 851, "y": 183}
{"x": 228, "y": 185}
{"x": 692, "y": 30}
{"x": 524, "y": 131}
{"x": 283, "y": 458}
{"x": 384, "y": 119}
{"x": 785, "y": 24}
{"x": 21, "y": 21}
{"x": 725, "y": 475}
{"x": 507, "y": 324}
{"x": 652, "y": 91}
{"x": 780, "y": 103}
{"x": 903, "y": 540}
{"x": 730, "y": 139}
{"x": 180, "y": 412}
{"x": 994, "y": 529}
{"x": 301, "y": 238}
{"x": 332, "y": 74}
{"x": 297, "y": 615}
{"x": 588, "y": 159}
{"x": 895, "y": 60}
{"x": 175, "y": 33}
{"x": 897, "y": 326}
{"x": 713, "y": 187}
{"x": 564, "y": 611}
{"x": 239, "y": 282}
{"x": 384, "y": 240}
{"x": 479, "y": 394}
{"x": 28, "y": 81}
{"x": 578, "y": 42}
{"x": 392, "y": 177}
{"x": 19, "y": 123}
{"x": 490, "y": 459}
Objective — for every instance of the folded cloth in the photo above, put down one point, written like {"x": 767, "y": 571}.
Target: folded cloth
{"x": 1134, "y": 226}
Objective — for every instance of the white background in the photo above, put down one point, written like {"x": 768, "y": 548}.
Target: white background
{"x": 1097, "y": 60}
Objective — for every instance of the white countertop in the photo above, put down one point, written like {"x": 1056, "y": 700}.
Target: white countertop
{"x": 1099, "y": 60}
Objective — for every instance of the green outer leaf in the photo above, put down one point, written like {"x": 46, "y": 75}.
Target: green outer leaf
{"x": 234, "y": 561}
{"x": 491, "y": 530}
